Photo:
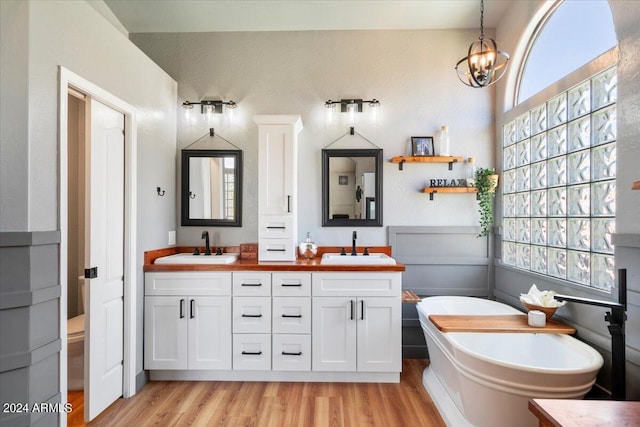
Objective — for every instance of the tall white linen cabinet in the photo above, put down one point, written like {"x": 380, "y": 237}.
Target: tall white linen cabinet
{"x": 277, "y": 186}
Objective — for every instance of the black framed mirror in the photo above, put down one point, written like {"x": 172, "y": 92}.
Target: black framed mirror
{"x": 352, "y": 188}
{"x": 212, "y": 188}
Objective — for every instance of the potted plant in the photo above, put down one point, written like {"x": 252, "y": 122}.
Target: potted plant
{"x": 485, "y": 184}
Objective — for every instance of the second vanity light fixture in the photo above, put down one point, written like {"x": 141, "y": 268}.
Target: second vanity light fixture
{"x": 352, "y": 105}
{"x": 210, "y": 106}
{"x": 484, "y": 64}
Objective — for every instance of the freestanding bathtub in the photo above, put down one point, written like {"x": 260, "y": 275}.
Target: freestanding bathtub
{"x": 486, "y": 379}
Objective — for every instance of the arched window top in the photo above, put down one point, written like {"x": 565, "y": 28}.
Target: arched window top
{"x": 575, "y": 33}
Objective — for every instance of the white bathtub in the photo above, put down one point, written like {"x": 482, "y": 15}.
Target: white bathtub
{"x": 486, "y": 379}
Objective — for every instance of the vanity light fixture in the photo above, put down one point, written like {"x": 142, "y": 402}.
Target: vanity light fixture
{"x": 352, "y": 105}
{"x": 210, "y": 106}
{"x": 484, "y": 64}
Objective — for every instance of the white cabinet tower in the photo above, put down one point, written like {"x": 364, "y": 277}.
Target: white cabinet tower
{"x": 277, "y": 186}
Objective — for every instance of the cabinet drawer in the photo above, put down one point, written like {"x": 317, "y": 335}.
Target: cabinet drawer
{"x": 276, "y": 250}
{"x": 291, "y": 284}
{"x": 252, "y": 352}
{"x": 357, "y": 284}
{"x": 291, "y": 352}
{"x": 292, "y": 315}
{"x": 187, "y": 283}
{"x": 275, "y": 226}
{"x": 252, "y": 315}
{"x": 251, "y": 284}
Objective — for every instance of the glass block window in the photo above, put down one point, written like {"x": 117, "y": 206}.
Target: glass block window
{"x": 559, "y": 188}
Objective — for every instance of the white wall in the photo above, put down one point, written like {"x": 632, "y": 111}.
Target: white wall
{"x": 410, "y": 72}
{"x": 515, "y": 28}
{"x": 72, "y": 34}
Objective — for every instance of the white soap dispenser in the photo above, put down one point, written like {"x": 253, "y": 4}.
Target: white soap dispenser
{"x": 308, "y": 249}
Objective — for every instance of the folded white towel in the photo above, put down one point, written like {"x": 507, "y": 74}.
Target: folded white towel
{"x": 540, "y": 298}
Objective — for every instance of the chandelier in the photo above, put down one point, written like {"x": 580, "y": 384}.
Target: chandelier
{"x": 484, "y": 64}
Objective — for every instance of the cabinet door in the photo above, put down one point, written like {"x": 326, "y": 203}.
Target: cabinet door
{"x": 276, "y": 170}
{"x": 291, "y": 315}
{"x": 251, "y": 284}
{"x": 379, "y": 334}
{"x": 296, "y": 284}
{"x": 251, "y": 352}
{"x": 165, "y": 332}
{"x": 334, "y": 334}
{"x": 251, "y": 315}
{"x": 209, "y": 332}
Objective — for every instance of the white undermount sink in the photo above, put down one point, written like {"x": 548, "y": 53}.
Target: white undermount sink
{"x": 186, "y": 258}
{"x": 360, "y": 259}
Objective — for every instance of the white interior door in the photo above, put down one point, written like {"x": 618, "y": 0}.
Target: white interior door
{"x": 104, "y": 338}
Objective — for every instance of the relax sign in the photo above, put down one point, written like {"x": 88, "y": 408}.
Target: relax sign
{"x": 447, "y": 183}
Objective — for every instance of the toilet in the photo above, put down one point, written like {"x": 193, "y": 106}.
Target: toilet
{"x": 75, "y": 346}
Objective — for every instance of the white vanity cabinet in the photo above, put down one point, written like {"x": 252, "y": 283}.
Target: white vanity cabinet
{"x": 357, "y": 322}
{"x": 277, "y": 186}
{"x": 273, "y": 325}
{"x": 187, "y": 321}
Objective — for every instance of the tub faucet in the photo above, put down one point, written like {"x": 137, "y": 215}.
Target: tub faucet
{"x": 207, "y": 247}
{"x": 354, "y": 236}
{"x": 616, "y": 318}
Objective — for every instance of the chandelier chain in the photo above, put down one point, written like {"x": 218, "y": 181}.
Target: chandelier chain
{"x": 481, "y": 19}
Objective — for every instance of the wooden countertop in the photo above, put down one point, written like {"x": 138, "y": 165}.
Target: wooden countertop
{"x": 509, "y": 323}
{"x": 585, "y": 413}
{"x": 254, "y": 265}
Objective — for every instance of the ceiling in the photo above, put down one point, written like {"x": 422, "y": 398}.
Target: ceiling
{"x": 144, "y": 16}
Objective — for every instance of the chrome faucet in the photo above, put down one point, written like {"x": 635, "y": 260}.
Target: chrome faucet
{"x": 207, "y": 247}
{"x": 354, "y": 236}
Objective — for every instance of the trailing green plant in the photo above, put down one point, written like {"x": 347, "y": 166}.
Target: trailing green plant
{"x": 485, "y": 187}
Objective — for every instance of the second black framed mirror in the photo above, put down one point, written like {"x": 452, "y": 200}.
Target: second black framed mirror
{"x": 352, "y": 188}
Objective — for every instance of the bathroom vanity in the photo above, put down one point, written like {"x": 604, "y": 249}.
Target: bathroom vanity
{"x": 273, "y": 321}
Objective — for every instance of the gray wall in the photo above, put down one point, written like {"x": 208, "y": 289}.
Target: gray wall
{"x": 514, "y": 30}
{"x": 439, "y": 261}
{"x": 410, "y": 72}
{"x": 38, "y": 37}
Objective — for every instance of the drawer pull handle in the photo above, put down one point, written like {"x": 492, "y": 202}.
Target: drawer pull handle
{"x": 192, "y": 309}
{"x": 352, "y": 303}
{"x": 292, "y": 315}
{"x": 182, "y": 308}
{"x": 276, "y": 227}
{"x": 276, "y": 250}
{"x": 250, "y": 284}
{"x": 252, "y": 353}
{"x": 292, "y": 284}
{"x": 252, "y": 315}
{"x": 287, "y": 353}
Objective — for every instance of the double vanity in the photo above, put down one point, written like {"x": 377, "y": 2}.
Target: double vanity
{"x": 225, "y": 317}
{"x": 258, "y": 311}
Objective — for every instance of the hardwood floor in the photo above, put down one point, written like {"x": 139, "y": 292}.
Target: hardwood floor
{"x": 264, "y": 404}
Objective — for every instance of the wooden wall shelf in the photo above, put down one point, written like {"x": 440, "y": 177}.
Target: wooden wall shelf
{"x": 432, "y": 190}
{"x": 401, "y": 160}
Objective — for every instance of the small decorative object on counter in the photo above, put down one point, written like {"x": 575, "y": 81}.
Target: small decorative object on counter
{"x": 308, "y": 249}
{"x": 537, "y": 319}
{"x": 443, "y": 141}
{"x": 543, "y": 301}
{"x": 470, "y": 172}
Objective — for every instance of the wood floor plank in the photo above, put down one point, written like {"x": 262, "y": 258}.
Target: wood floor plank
{"x": 287, "y": 404}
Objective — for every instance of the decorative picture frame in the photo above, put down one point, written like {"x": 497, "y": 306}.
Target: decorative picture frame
{"x": 422, "y": 146}
{"x": 343, "y": 180}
